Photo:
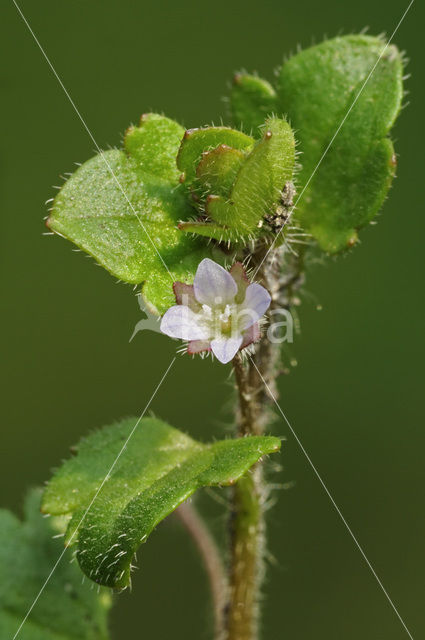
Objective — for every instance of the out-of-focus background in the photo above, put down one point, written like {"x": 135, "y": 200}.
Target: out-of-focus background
{"x": 356, "y": 397}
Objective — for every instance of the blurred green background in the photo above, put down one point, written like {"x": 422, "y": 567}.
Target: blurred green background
{"x": 356, "y": 397}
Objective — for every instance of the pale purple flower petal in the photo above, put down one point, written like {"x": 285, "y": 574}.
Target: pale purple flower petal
{"x": 225, "y": 348}
{"x": 257, "y": 301}
{"x": 214, "y": 285}
{"x": 221, "y": 304}
{"x": 181, "y": 322}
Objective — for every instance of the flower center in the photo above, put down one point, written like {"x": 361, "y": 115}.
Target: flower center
{"x": 221, "y": 322}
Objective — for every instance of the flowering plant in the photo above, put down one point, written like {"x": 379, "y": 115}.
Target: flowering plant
{"x": 215, "y": 226}
{"x": 220, "y": 312}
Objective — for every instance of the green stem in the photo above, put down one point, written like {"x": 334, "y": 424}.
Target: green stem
{"x": 247, "y": 526}
{"x": 246, "y": 561}
{"x": 247, "y": 523}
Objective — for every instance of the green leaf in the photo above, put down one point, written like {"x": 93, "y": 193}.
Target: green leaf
{"x": 154, "y": 144}
{"x": 197, "y": 141}
{"x": 252, "y": 100}
{"x": 158, "y": 469}
{"x": 67, "y": 609}
{"x": 258, "y": 186}
{"x": 123, "y": 209}
{"x": 316, "y": 89}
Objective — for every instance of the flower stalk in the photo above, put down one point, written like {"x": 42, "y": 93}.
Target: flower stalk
{"x": 211, "y": 558}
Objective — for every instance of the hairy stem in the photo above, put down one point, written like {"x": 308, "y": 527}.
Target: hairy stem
{"x": 247, "y": 524}
{"x": 247, "y": 527}
{"x": 211, "y": 558}
{"x": 247, "y": 537}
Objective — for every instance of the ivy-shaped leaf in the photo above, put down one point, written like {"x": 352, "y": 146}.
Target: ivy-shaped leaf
{"x": 68, "y": 609}
{"x": 153, "y": 145}
{"x": 123, "y": 207}
{"x": 252, "y": 100}
{"x": 159, "y": 468}
{"x": 316, "y": 89}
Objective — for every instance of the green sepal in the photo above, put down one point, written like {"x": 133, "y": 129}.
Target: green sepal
{"x": 157, "y": 470}
{"x": 69, "y": 608}
{"x": 217, "y": 169}
{"x": 123, "y": 208}
{"x": 317, "y": 89}
{"x": 258, "y": 187}
{"x": 252, "y": 100}
{"x": 211, "y": 230}
{"x": 197, "y": 141}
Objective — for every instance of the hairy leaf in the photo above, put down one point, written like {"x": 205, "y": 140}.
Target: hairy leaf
{"x": 123, "y": 207}
{"x": 252, "y": 100}
{"x": 217, "y": 169}
{"x": 316, "y": 89}
{"x": 158, "y": 469}
{"x": 197, "y": 141}
{"x": 153, "y": 145}
{"x": 257, "y": 189}
{"x": 67, "y": 609}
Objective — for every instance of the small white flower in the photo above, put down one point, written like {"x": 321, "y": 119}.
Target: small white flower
{"x": 220, "y": 312}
